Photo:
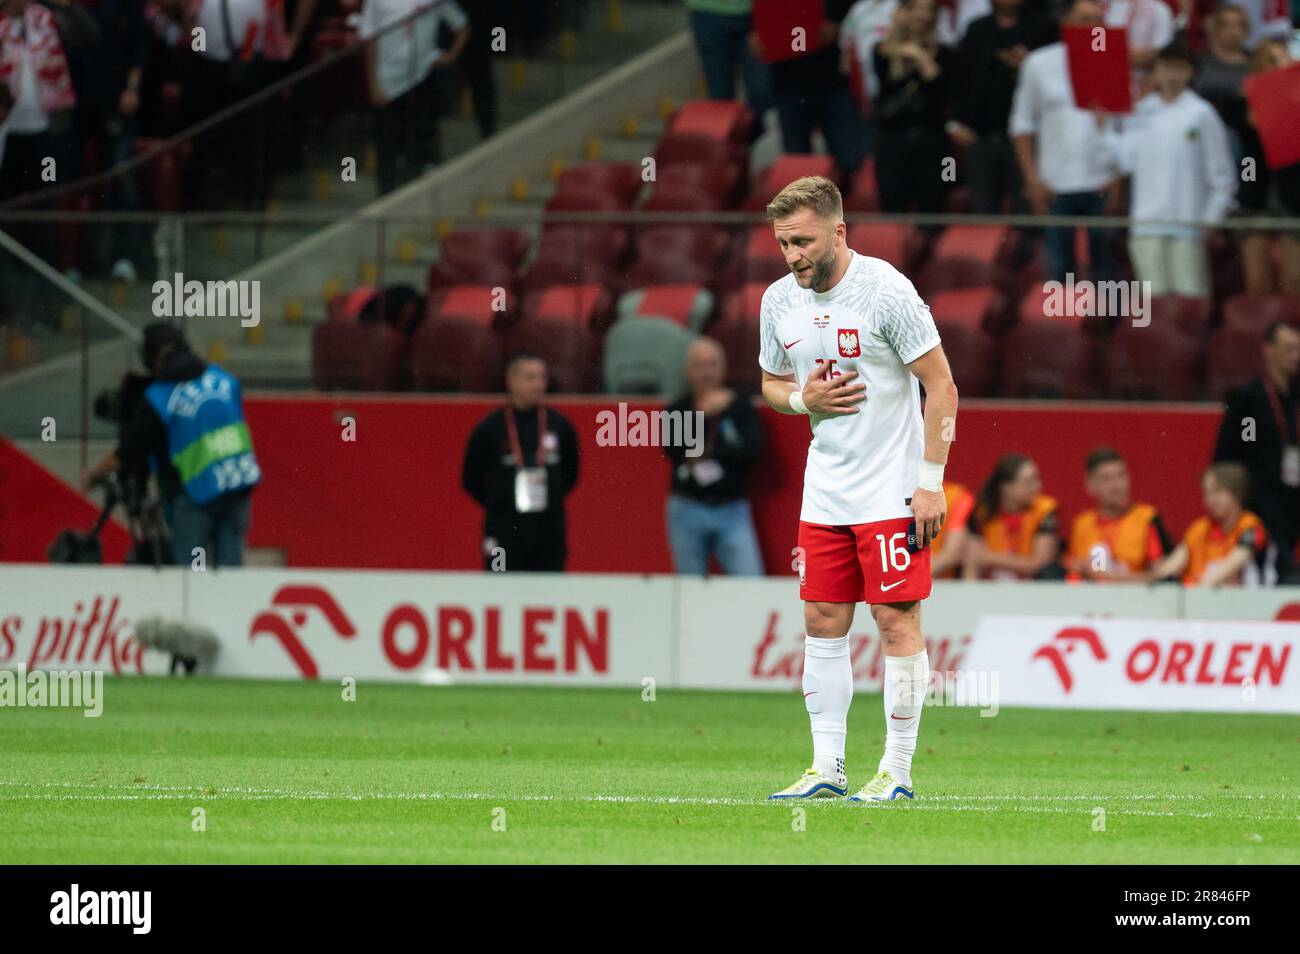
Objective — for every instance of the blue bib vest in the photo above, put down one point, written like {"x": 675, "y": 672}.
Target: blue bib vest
{"x": 207, "y": 438}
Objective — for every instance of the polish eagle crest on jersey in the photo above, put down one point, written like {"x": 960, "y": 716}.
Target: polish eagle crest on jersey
{"x": 848, "y": 338}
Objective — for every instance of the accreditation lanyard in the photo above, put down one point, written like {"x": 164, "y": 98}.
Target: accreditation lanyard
{"x": 1290, "y": 451}
{"x": 530, "y": 482}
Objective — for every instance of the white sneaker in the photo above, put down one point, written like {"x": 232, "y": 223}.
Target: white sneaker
{"x": 882, "y": 788}
{"x": 815, "y": 784}
{"x": 124, "y": 271}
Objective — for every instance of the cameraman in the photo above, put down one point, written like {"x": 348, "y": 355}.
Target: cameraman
{"x": 190, "y": 429}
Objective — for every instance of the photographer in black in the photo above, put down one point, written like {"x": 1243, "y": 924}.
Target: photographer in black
{"x": 187, "y": 425}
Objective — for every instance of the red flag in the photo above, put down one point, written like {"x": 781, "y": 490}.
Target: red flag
{"x": 1274, "y": 100}
{"x": 1100, "y": 71}
{"x": 775, "y": 22}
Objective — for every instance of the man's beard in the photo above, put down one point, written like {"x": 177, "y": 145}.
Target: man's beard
{"x": 822, "y": 269}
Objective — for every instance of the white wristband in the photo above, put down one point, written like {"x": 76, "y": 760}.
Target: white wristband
{"x": 796, "y": 402}
{"x": 930, "y": 477}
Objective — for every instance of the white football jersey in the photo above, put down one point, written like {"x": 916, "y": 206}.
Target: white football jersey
{"x": 861, "y": 467}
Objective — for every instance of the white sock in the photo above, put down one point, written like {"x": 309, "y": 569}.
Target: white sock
{"x": 827, "y": 692}
{"x": 906, "y": 679}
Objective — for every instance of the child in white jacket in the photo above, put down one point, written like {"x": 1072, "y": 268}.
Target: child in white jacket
{"x": 1176, "y": 149}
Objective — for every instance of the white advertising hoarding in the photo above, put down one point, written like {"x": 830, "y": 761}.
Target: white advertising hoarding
{"x": 1174, "y": 664}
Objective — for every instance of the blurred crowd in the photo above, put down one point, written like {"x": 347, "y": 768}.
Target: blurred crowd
{"x": 986, "y": 84}
{"x": 84, "y": 84}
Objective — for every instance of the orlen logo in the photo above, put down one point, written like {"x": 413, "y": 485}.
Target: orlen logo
{"x": 298, "y": 600}
{"x": 1064, "y": 643}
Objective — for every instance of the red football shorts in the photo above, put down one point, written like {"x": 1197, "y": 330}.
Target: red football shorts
{"x": 864, "y": 562}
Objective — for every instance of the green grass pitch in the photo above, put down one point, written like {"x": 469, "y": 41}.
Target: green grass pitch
{"x": 289, "y": 772}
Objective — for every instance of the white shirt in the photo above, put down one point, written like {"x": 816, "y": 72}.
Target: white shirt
{"x": 1269, "y": 20}
{"x": 26, "y": 116}
{"x": 247, "y": 18}
{"x": 406, "y": 54}
{"x": 954, "y": 21}
{"x": 861, "y": 467}
{"x": 1181, "y": 163}
{"x": 1150, "y": 25}
{"x": 1043, "y": 107}
{"x": 865, "y": 25}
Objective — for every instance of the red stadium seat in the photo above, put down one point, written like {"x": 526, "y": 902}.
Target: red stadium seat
{"x": 1156, "y": 362}
{"x": 1256, "y": 312}
{"x": 687, "y": 305}
{"x": 479, "y": 257}
{"x": 352, "y": 356}
{"x": 975, "y": 308}
{"x": 619, "y": 180}
{"x": 1048, "y": 359}
{"x": 726, "y": 120}
{"x": 864, "y": 192}
{"x": 473, "y": 303}
{"x": 669, "y": 269}
{"x": 587, "y": 305}
{"x": 604, "y": 240}
{"x": 737, "y": 331}
{"x": 455, "y": 354}
{"x": 989, "y": 244}
{"x": 972, "y": 355}
{"x": 722, "y": 180}
{"x": 675, "y": 148}
{"x": 896, "y": 244}
{"x": 708, "y": 243}
{"x": 1233, "y": 359}
{"x": 759, "y": 259}
{"x": 785, "y": 170}
{"x": 1189, "y": 315}
{"x": 349, "y": 305}
{"x": 557, "y": 268}
{"x": 570, "y": 348}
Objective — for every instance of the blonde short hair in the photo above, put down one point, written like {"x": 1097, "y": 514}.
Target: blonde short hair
{"x": 810, "y": 192}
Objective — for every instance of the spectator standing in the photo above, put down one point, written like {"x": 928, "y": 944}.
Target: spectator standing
{"x": 1176, "y": 149}
{"x": 520, "y": 464}
{"x": 1268, "y": 193}
{"x": 811, "y": 90}
{"x": 109, "y": 106}
{"x": 1117, "y": 540}
{"x": 400, "y": 63}
{"x": 1228, "y": 546}
{"x": 485, "y": 16}
{"x": 1269, "y": 20}
{"x": 1258, "y": 431}
{"x": 988, "y": 65}
{"x": 721, "y": 29}
{"x": 1150, "y": 28}
{"x": 1063, "y": 171}
{"x": 708, "y": 507}
{"x": 39, "y": 130}
{"x": 865, "y": 25}
{"x": 1014, "y": 527}
{"x": 914, "y": 73}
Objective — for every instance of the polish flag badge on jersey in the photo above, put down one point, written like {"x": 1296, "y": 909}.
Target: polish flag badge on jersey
{"x": 849, "y": 343}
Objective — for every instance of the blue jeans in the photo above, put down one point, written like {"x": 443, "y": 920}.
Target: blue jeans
{"x": 722, "y": 42}
{"x": 1059, "y": 242}
{"x": 219, "y": 527}
{"x": 697, "y": 531}
{"x": 835, "y": 113}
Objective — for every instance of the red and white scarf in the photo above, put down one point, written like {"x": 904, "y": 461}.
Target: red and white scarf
{"x": 36, "y": 36}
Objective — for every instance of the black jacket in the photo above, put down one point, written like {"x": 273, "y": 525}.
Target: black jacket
{"x": 488, "y": 472}
{"x": 732, "y": 438}
{"x": 1270, "y": 499}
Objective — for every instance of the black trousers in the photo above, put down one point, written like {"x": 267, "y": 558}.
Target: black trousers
{"x": 406, "y": 134}
{"x": 531, "y": 552}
